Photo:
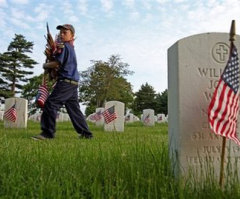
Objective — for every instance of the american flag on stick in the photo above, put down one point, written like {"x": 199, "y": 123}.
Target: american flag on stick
{"x": 147, "y": 119}
{"x": 98, "y": 115}
{"x": 109, "y": 114}
{"x": 224, "y": 106}
{"x": 11, "y": 113}
{"x": 42, "y": 94}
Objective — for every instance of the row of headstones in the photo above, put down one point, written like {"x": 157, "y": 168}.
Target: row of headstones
{"x": 148, "y": 117}
{"x": 61, "y": 117}
{"x": 159, "y": 118}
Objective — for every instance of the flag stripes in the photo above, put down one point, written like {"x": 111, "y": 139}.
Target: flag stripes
{"x": 109, "y": 114}
{"x": 42, "y": 96}
{"x": 147, "y": 119}
{"x": 224, "y": 106}
{"x": 11, "y": 113}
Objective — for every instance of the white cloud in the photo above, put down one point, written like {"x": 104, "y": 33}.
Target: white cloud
{"x": 2, "y": 19}
{"x": 67, "y": 8}
{"x": 73, "y": 19}
{"x": 146, "y": 4}
{"x": 3, "y": 3}
{"x": 107, "y": 5}
{"x": 129, "y": 3}
{"x": 162, "y": 1}
{"x": 83, "y": 7}
{"x": 42, "y": 16}
{"x": 19, "y": 23}
{"x": 20, "y": 1}
{"x": 17, "y": 13}
{"x": 181, "y": 1}
{"x": 68, "y": 12}
{"x": 134, "y": 15}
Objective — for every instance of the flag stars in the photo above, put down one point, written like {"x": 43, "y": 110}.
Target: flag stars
{"x": 231, "y": 74}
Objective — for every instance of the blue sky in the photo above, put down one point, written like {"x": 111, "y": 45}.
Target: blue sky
{"x": 140, "y": 31}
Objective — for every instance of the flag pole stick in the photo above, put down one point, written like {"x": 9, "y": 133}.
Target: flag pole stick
{"x": 222, "y": 162}
{"x": 231, "y": 39}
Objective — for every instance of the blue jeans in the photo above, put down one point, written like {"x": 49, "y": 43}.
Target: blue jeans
{"x": 63, "y": 94}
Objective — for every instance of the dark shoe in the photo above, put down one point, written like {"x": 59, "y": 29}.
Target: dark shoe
{"x": 39, "y": 137}
{"x": 84, "y": 136}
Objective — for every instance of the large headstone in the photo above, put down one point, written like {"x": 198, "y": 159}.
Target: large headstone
{"x": 195, "y": 64}
{"x": 21, "y": 106}
{"x": 148, "y": 118}
{"x": 99, "y": 117}
{"x": 118, "y": 123}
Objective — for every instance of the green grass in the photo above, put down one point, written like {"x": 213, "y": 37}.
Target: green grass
{"x": 132, "y": 164}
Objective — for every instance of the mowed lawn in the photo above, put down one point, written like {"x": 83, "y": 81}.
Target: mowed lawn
{"x": 131, "y": 164}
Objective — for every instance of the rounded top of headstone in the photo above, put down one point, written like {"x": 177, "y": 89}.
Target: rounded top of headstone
{"x": 210, "y": 35}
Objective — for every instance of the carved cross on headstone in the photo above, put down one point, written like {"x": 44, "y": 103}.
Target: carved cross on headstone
{"x": 222, "y": 52}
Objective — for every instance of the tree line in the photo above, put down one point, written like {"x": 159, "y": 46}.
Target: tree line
{"x": 103, "y": 81}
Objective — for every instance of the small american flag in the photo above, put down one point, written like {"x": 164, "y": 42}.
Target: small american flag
{"x": 11, "y": 114}
{"x": 42, "y": 95}
{"x": 98, "y": 115}
{"x": 147, "y": 119}
{"x": 224, "y": 106}
{"x": 109, "y": 114}
{"x": 160, "y": 118}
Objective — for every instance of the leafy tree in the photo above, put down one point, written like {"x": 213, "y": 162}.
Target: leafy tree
{"x": 90, "y": 109}
{"x": 4, "y": 90}
{"x": 14, "y": 63}
{"x": 144, "y": 99}
{"x": 162, "y": 102}
{"x": 105, "y": 81}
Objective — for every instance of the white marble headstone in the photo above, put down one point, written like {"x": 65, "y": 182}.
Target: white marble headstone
{"x": 129, "y": 118}
{"x": 148, "y": 118}
{"x": 195, "y": 64}
{"x": 135, "y": 118}
{"x": 161, "y": 118}
{"x": 36, "y": 117}
{"x": 91, "y": 118}
{"x": 59, "y": 117}
{"x": 118, "y": 123}
{"x": 99, "y": 117}
{"x": 1, "y": 115}
{"x": 21, "y": 106}
{"x": 66, "y": 117}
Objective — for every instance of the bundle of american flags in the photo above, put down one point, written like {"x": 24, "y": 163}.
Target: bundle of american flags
{"x": 109, "y": 114}
{"x": 11, "y": 113}
{"x": 224, "y": 107}
{"x": 51, "y": 48}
